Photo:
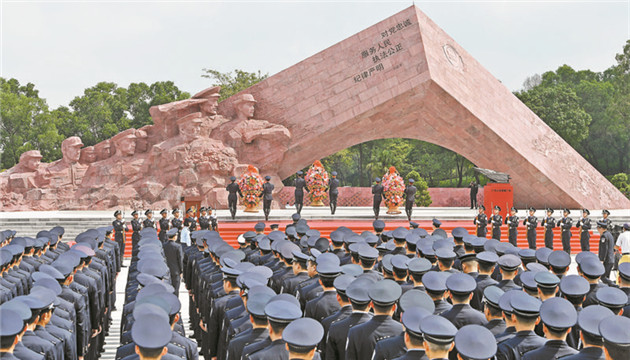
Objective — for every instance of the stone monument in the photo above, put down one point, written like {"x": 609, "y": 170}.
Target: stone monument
{"x": 403, "y": 77}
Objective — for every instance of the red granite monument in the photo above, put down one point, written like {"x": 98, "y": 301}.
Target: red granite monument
{"x": 403, "y": 77}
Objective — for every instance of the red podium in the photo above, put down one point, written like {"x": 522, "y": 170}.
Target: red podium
{"x": 501, "y": 194}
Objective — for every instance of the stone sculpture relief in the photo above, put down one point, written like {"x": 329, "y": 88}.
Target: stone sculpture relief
{"x": 189, "y": 151}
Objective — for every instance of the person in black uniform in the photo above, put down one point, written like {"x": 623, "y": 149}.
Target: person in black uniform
{"x": 300, "y": 186}
{"x": 214, "y": 222}
{"x": 605, "y": 215}
{"x": 333, "y": 192}
{"x": 558, "y": 316}
{"x": 410, "y": 198}
{"x": 475, "y": 342}
{"x": 204, "y": 219}
{"x": 136, "y": 226}
{"x": 267, "y": 196}
{"x": 606, "y": 249}
{"x": 474, "y": 188}
{"x": 549, "y": 223}
{"x": 148, "y": 222}
{"x": 377, "y": 192}
{"x": 119, "y": 233}
{"x": 496, "y": 220}
{"x": 174, "y": 258}
{"x": 362, "y": 338}
{"x": 190, "y": 221}
{"x": 481, "y": 220}
{"x": 177, "y": 223}
{"x": 11, "y": 326}
{"x": 531, "y": 222}
{"x": 165, "y": 224}
{"x": 233, "y": 190}
{"x": 584, "y": 224}
{"x": 512, "y": 223}
{"x": 565, "y": 224}
{"x": 439, "y": 335}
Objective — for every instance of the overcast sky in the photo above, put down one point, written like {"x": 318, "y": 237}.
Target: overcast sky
{"x": 64, "y": 47}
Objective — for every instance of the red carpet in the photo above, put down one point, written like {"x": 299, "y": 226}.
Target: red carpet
{"x": 230, "y": 231}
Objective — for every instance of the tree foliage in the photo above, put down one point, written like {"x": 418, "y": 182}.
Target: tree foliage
{"x": 233, "y": 83}
{"x": 101, "y": 112}
{"x": 589, "y": 110}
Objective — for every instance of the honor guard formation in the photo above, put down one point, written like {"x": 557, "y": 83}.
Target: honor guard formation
{"x": 406, "y": 293}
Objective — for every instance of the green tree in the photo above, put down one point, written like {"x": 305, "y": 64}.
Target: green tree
{"x": 620, "y": 181}
{"x": 24, "y": 123}
{"x": 423, "y": 198}
{"x": 232, "y": 83}
{"x": 559, "y": 107}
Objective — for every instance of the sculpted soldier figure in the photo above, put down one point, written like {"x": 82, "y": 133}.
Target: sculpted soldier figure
{"x": 255, "y": 141}
{"x": 27, "y": 174}
{"x": 67, "y": 171}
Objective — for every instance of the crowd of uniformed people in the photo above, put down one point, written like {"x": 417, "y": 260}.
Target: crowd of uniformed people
{"x": 55, "y": 300}
{"x": 294, "y": 294}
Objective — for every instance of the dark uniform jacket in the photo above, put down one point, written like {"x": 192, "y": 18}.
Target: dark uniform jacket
{"x": 496, "y": 326}
{"x": 267, "y": 191}
{"x": 553, "y": 349}
{"x": 275, "y": 351}
{"x": 174, "y": 257}
{"x": 232, "y": 190}
{"x": 363, "y": 338}
{"x": 606, "y": 248}
{"x": 322, "y": 306}
{"x": 464, "y": 314}
{"x": 588, "y": 353}
{"x": 338, "y": 334}
{"x": 414, "y": 354}
{"x": 390, "y": 348}
{"x": 521, "y": 343}
{"x": 333, "y": 184}
{"x": 238, "y": 343}
{"x": 410, "y": 193}
{"x": 148, "y": 223}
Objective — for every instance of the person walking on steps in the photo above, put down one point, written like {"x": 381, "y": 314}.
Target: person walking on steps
{"x": 410, "y": 198}
{"x": 233, "y": 190}
{"x": 267, "y": 196}
{"x": 333, "y": 192}
{"x": 377, "y": 192}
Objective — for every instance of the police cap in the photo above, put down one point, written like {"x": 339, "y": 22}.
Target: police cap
{"x": 492, "y": 294}
{"x": 461, "y": 284}
{"x": 412, "y": 319}
{"x": 415, "y": 298}
{"x": 304, "y": 334}
{"x": 435, "y": 281}
{"x": 546, "y": 280}
{"x": 357, "y": 291}
{"x": 151, "y": 331}
{"x": 385, "y": 292}
{"x": 509, "y": 262}
{"x": 592, "y": 268}
{"x": 282, "y": 311}
{"x": 574, "y": 285}
{"x": 616, "y": 331}
{"x": 11, "y": 323}
{"x": 612, "y": 298}
{"x": 525, "y": 305}
{"x": 475, "y": 342}
{"x": 419, "y": 265}
{"x": 438, "y": 330}
{"x": 558, "y": 314}
{"x": 591, "y": 316}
